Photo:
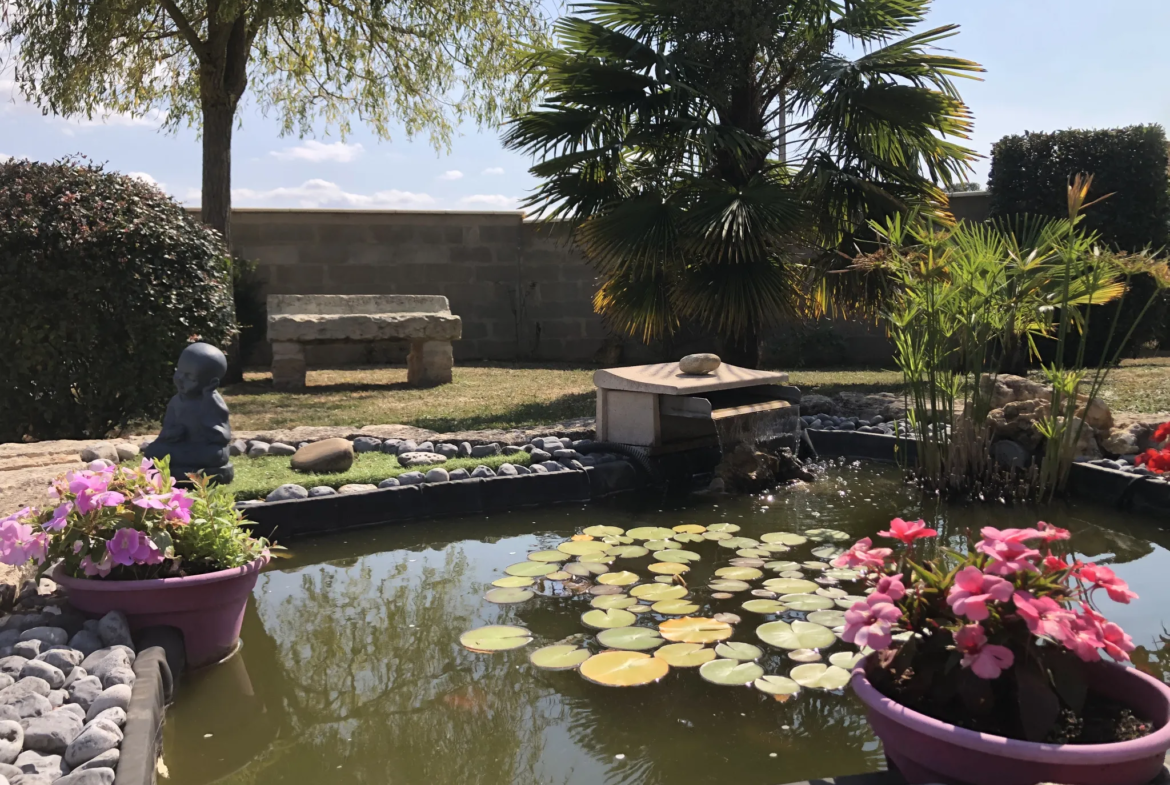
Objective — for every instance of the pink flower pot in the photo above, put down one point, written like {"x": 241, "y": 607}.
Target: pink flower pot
{"x": 208, "y": 608}
{"x": 927, "y": 750}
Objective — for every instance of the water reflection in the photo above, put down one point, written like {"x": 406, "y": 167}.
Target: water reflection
{"x": 351, "y": 671}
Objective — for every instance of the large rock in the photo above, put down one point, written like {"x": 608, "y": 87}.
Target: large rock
{"x": 85, "y": 691}
{"x": 98, "y": 775}
{"x": 40, "y": 669}
{"x": 114, "y": 630}
{"x": 64, "y": 659}
{"x": 411, "y": 459}
{"x": 50, "y": 636}
{"x": 118, "y": 695}
{"x": 33, "y": 684}
{"x": 699, "y": 364}
{"x": 865, "y": 405}
{"x": 103, "y": 451}
{"x": 86, "y": 642}
{"x": 52, "y": 733}
{"x": 1128, "y": 437}
{"x": 1017, "y": 420}
{"x": 357, "y": 487}
{"x": 11, "y": 740}
{"x": 485, "y": 450}
{"x": 107, "y": 760}
{"x": 814, "y": 404}
{"x": 96, "y": 738}
{"x": 33, "y": 762}
{"x": 326, "y": 456}
{"x": 287, "y": 492}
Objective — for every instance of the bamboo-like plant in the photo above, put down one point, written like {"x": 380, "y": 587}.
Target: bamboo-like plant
{"x": 965, "y": 300}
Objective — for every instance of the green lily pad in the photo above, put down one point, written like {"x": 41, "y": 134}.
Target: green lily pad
{"x": 606, "y": 601}
{"x": 628, "y": 551}
{"x": 509, "y": 596}
{"x": 804, "y": 655}
{"x": 650, "y": 533}
{"x": 716, "y": 536}
{"x": 832, "y": 593}
{"x": 744, "y": 652}
{"x": 530, "y": 569}
{"x": 826, "y": 552}
{"x": 815, "y": 566}
{"x": 754, "y": 553}
{"x": 668, "y": 568}
{"x": 790, "y": 585}
{"x": 639, "y": 608}
{"x": 819, "y": 676}
{"x": 795, "y": 575}
{"x": 662, "y": 545}
{"x": 728, "y": 585}
{"x": 688, "y": 538}
{"x": 602, "y": 557}
{"x": 738, "y": 542}
{"x": 806, "y": 602}
{"x": 843, "y": 574}
{"x": 776, "y": 685}
{"x": 617, "y": 540}
{"x": 548, "y": 556}
{"x": 739, "y": 573}
{"x": 657, "y": 592}
{"x": 495, "y": 637}
{"x": 608, "y": 618}
{"x": 559, "y": 658}
{"x": 623, "y": 578}
{"x": 559, "y": 575}
{"x": 723, "y": 527}
{"x": 664, "y": 578}
{"x": 798, "y": 635}
{"x": 747, "y": 561}
{"x": 685, "y": 655}
{"x": 827, "y": 618}
{"x": 679, "y": 557}
{"x": 689, "y": 528}
{"x": 846, "y": 660}
{"x": 849, "y": 600}
{"x": 764, "y": 606}
{"x": 513, "y": 582}
{"x": 630, "y": 638}
{"x": 585, "y": 569}
{"x": 674, "y": 607}
{"x": 574, "y": 548}
{"x": 826, "y": 535}
{"x": 730, "y": 673}
{"x": 774, "y": 547}
{"x": 783, "y": 538}
{"x": 603, "y": 531}
{"x": 782, "y": 566}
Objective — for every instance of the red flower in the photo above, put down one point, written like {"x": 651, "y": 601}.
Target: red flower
{"x": 1163, "y": 432}
{"x": 1158, "y": 461}
{"x": 908, "y": 531}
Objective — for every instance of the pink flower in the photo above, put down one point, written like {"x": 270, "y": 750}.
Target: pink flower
{"x": 19, "y": 543}
{"x": 972, "y": 590}
{"x": 1118, "y": 644}
{"x": 1008, "y": 550}
{"x": 123, "y": 547}
{"x": 908, "y": 531}
{"x": 870, "y": 625}
{"x": 179, "y": 506}
{"x": 150, "y": 501}
{"x": 986, "y": 662}
{"x": 1051, "y": 533}
{"x": 60, "y": 517}
{"x": 889, "y": 588}
{"x": 864, "y": 555}
{"x": 101, "y": 568}
{"x": 1043, "y": 615}
{"x": 1054, "y": 563}
{"x": 1084, "y": 635}
{"x": 1104, "y": 578}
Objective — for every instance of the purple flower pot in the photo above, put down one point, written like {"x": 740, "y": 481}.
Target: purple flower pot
{"x": 208, "y": 608}
{"x": 927, "y": 750}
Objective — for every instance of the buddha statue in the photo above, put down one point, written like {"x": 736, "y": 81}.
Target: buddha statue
{"x": 195, "y": 430}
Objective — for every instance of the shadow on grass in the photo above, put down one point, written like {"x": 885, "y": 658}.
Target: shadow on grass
{"x": 264, "y": 387}
{"x": 532, "y": 413}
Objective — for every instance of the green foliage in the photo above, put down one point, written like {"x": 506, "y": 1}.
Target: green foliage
{"x": 215, "y": 539}
{"x": 667, "y": 138}
{"x": 1029, "y": 175}
{"x": 251, "y": 308}
{"x": 105, "y": 281}
{"x": 812, "y": 344}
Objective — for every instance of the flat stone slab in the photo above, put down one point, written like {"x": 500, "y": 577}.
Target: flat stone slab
{"x": 668, "y": 379}
{"x": 340, "y": 304}
{"x": 408, "y": 459}
{"x": 312, "y": 328}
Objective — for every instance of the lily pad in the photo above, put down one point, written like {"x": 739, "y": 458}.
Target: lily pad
{"x": 826, "y": 552}
{"x": 730, "y": 673}
{"x": 826, "y": 535}
{"x": 726, "y": 584}
{"x": 601, "y": 590}
{"x": 804, "y": 655}
{"x": 628, "y": 551}
{"x": 559, "y": 575}
{"x": 685, "y": 655}
{"x": 582, "y": 548}
{"x": 668, "y": 568}
{"x": 753, "y": 553}
{"x": 798, "y": 635}
{"x": 530, "y": 569}
{"x": 664, "y": 578}
{"x": 603, "y": 557}
{"x": 678, "y": 557}
{"x": 608, "y": 618}
{"x": 781, "y": 566}
{"x": 716, "y": 536}
{"x": 795, "y": 575}
{"x": 745, "y": 561}
{"x": 695, "y": 629}
{"x": 690, "y": 528}
{"x": 783, "y": 538}
{"x": 744, "y": 652}
{"x": 832, "y": 593}
{"x": 509, "y": 596}
{"x": 846, "y": 660}
{"x": 639, "y": 608}
{"x": 603, "y": 531}
{"x": 688, "y": 538}
{"x": 548, "y": 556}
{"x": 737, "y": 542}
{"x": 585, "y": 569}
{"x": 849, "y": 600}
{"x": 630, "y": 638}
{"x": 623, "y": 668}
{"x": 558, "y": 658}
{"x": 774, "y": 547}
{"x": 662, "y": 545}
{"x": 790, "y": 585}
{"x": 739, "y": 573}
{"x": 767, "y": 594}
{"x": 650, "y": 533}
{"x": 623, "y": 578}
{"x": 513, "y": 582}
{"x": 776, "y": 685}
{"x": 495, "y": 637}
{"x": 607, "y": 601}
{"x": 827, "y": 618}
{"x": 815, "y": 566}
{"x": 674, "y": 607}
{"x": 723, "y": 527}
{"x": 721, "y": 595}
{"x": 764, "y": 606}
{"x": 819, "y": 676}
{"x": 805, "y": 602}
{"x": 842, "y": 574}
{"x": 730, "y": 618}
{"x": 656, "y": 592}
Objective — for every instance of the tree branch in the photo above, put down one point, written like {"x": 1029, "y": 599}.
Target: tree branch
{"x": 189, "y": 32}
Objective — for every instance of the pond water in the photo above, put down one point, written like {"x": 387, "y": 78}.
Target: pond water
{"x": 352, "y": 671}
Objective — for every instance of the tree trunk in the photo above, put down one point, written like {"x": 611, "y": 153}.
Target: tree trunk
{"x": 743, "y": 350}
{"x": 218, "y": 117}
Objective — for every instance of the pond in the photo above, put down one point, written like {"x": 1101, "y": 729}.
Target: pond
{"x": 352, "y": 670}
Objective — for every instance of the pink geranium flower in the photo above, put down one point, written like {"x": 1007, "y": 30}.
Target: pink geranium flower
{"x": 101, "y": 568}
{"x": 908, "y": 531}
{"x": 123, "y": 547}
{"x": 864, "y": 555}
{"x": 889, "y": 588}
{"x": 179, "y": 506}
{"x": 1009, "y": 550}
{"x": 60, "y": 517}
{"x": 1043, "y": 615}
{"x": 972, "y": 590}
{"x": 1104, "y": 578}
{"x": 1084, "y": 636}
{"x": 1052, "y": 533}
{"x": 150, "y": 501}
{"x": 870, "y": 625}
{"x": 985, "y": 661}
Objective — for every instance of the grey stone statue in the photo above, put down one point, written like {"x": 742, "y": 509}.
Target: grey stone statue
{"x": 195, "y": 431}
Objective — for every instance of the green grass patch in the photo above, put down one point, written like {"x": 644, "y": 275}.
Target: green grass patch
{"x": 257, "y": 477}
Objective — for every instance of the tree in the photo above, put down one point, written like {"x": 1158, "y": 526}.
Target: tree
{"x": 425, "y": 65}
{"x": 666, "y": 139}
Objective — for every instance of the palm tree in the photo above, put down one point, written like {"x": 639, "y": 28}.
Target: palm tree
{"x": 706, "y": 151}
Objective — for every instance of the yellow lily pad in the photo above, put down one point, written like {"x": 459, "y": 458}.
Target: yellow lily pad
{"x": 819, "y": 676}
{"x": 695, "y": 629}
{"x": 623, "y": 578}
{"x": 509, "y": 596}
{"x": 764, "y": 606}
{"x": 790, "y": 586}
{"x": 495, "y": 637}
{"x": 548, "y": 556}
{"x": 630, "y": 638}
{"x": 657, "y": 592}
{"x": 608, "y": 618}
{"x": 690, "y": 528}
{"x": 603, "y": 531}
{"x": 685, "y": 655}
{"x": 678, "y": 557}
{"x": 607, "y": 601}
{"x": 777, "y": 685}
{"x": 514, "y": 582}
{"x": 674, "y": 607}
{"x": 582, "y": 548}
{"x": 623, "y": 668}
{"x": 739, "y": 573}
{"x": 650, "y": 533}
{"x": 558, "y": 658}
{"x": 668, "y": 568}
{"x": 730, "y": 673}
{"x": 530, "y": 569}
{"x": 798, "y": 635}
{"x": 723, "y": 527}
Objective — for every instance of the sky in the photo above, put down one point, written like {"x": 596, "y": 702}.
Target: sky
{"x": 1051, "y": 65}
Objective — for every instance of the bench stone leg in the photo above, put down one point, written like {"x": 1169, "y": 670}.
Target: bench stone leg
{"x": 288, "y": 365}
{"x": 429, "y": 363}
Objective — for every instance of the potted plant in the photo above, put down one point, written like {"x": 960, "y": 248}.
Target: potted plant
{"x": 995, "y": 667}
{"x": 128, "y": 539}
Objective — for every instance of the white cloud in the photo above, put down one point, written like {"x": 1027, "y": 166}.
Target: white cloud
{"x": 494, "y": 201}
{"x": 192, "y": 197}
{"x": 4, "y": 158}
{"x": 451, "y": 174}
{"x": 493, "y": 170}
{"x": 319, "y": 152}
{"x": 322, "y": 193}
{"x": 146, "y": 178}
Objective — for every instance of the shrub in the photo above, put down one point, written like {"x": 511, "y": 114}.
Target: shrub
{"x": 106, "y": 279}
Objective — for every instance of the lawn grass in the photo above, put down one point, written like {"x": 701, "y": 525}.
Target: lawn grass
{"x": 519, "y": 395}
{"x": 257, "y": 477}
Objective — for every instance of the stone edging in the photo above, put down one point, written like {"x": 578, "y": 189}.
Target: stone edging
{"x": 153, "y": 691}
{"x": 1100, "y": 484}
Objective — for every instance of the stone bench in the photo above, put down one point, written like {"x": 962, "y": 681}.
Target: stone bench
{"x": 425, "y": 320}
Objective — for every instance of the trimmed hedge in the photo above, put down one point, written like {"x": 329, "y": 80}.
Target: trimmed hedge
{"x": 1030, "y": 174}
{"x": 105, "y": 280}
